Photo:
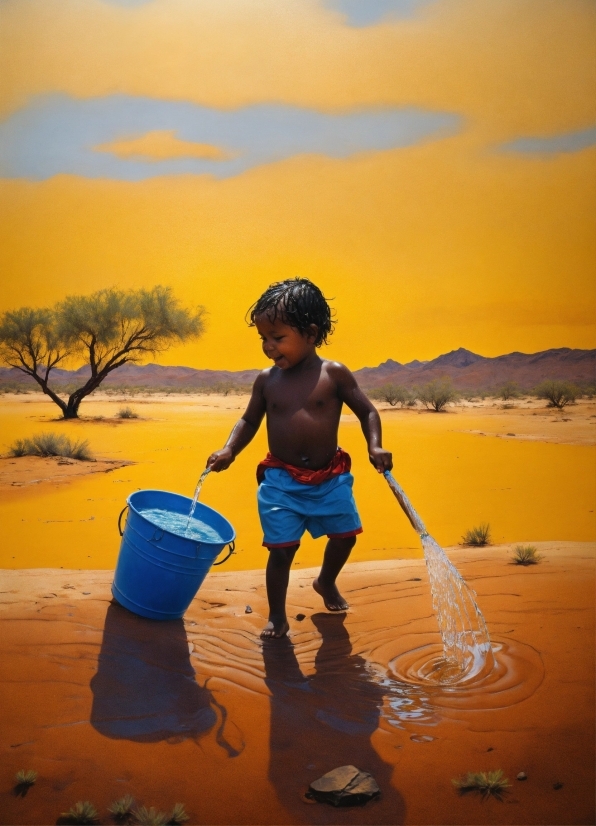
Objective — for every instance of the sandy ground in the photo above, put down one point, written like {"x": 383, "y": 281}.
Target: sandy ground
{"x": 522, "y": 420}
{"x": 101, "y": 702}
{"x": 34, "y": 470}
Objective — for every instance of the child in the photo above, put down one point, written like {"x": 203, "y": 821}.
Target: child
{"x": 305, "y": 481}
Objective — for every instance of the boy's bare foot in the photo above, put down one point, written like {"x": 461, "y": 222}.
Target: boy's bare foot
{"x": 275, "y": 629}
{"x": 331, "y": 597}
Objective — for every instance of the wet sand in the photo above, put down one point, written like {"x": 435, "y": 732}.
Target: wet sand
{"x": 102, "y": 703}
{"x": 36, "y": 470}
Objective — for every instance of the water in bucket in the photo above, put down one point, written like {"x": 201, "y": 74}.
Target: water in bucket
{"x": 466, "y": 643}
{"x": 182, "y": 525}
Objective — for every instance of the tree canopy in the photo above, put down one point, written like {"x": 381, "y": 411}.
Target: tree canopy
{"x": 106, "y": 329}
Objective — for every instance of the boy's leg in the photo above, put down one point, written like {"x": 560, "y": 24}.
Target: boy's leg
{"x": 277, "y": 578}
{"x": 336, "y": 555}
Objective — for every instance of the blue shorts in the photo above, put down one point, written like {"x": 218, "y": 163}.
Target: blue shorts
{"x": 288, "y": 508}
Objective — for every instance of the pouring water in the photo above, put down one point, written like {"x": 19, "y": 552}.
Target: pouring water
{"x": 466, "y": 643}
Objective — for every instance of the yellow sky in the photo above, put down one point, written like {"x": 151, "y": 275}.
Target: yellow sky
{"x": 449, "y": 242}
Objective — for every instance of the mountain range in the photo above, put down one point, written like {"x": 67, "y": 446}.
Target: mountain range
{"x": 467, "y": 371}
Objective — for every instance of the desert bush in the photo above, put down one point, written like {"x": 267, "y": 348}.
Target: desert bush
{"x": 178, "y": 815}
{"x": 478, "y": 536}
{"x": 51, "y": 444}
{"x": 122, "y": 809}
{"x": 82, "y": 812}
{"x": 127, "y": 413}
{"x": 526, "y": 555}
{"x": 393, "y": 394}
{"x": 437, "y": 394}
{"x": 557, "y": 393}
{"x": 25, "y": 777}
{"x": 484, "y": 783}
{"x": 150, "y": 817}
{"x": 509, "y": 390}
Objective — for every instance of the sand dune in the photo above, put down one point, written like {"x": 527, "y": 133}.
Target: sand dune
{"x": 101, "y": 702}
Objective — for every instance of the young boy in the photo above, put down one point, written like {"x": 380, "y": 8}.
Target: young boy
{"x": 305, "y": 481}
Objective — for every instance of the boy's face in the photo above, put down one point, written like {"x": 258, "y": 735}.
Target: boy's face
{"x": 284, "y": 345}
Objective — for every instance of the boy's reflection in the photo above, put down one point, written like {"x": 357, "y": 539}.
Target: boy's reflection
{"x": 145, "y": 687}
{"x": 324, "y": 721}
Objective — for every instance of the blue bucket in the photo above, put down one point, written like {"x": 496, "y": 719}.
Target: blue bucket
{"x": 159, "y": 572}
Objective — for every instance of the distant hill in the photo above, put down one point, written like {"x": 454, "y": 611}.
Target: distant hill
{"x": 467, "y": 370}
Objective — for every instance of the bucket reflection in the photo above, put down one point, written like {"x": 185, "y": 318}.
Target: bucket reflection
{"x": 145, "y": 688}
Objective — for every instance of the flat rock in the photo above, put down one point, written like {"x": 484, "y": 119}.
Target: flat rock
{"x": 345, "y": 786}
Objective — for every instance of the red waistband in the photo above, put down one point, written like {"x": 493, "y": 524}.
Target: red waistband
{"x": 341, "y": 463}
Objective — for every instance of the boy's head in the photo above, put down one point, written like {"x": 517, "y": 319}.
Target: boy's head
{"x": 296, "y": 302}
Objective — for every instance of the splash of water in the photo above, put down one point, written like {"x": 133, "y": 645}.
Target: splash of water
{"x": 466, "y": 643}
{"x": 202, "y": 478}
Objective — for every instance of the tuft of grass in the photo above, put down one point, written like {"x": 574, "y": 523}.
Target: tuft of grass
{"x": 51, "y": 444}
{"x": 178, "y": 815}
{"x": 478, "y": 536}
{"x": 123, "y": 808}
{"x": 487, "y": 784}
{"x": 150, "y": 817}
{"x": 82, "y": 812}
{"x": 127, "y": 413}
{"x": 526, "y": 555}
{"x": 25, "y": 778}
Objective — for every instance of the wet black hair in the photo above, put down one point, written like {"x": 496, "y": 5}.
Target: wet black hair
{"x": 297, "y": 302}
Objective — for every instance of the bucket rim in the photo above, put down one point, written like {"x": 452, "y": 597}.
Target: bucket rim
{"x": 181, "y": 496}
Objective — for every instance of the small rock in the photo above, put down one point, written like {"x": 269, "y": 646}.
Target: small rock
{"x": 345, "y": 786}
{"x": 490, "y": 748}
{"x": 248, "y": 610}
{"x": 522, "y": 776}
{"x": 415, "y": 579}
{"x": 86, "y": 593}
{"x": 300, "y": 617}
{"x": 558, "y": 785}
{"x": 511, "y": 434}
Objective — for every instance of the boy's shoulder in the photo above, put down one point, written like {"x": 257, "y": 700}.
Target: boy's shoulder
{"x": 337, "y": 371}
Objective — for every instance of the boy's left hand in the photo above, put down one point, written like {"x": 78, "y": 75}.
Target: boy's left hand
{"x": 380, "y": 458}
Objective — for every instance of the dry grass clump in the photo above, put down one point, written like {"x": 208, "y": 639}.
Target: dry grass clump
{"x": 526, "y": 555}
{"x": 51, "y": 444}
{"x": 122, "y": 810}
{"x": 487, "y": 784}
{"x": 178, "y": 815}
{"x": 127, "y": 413}
{"x": 82, "y": 812}
{"x": 478, "y": 536}
{"x": 23, "y": 780}
{"x": 150, "y": 817}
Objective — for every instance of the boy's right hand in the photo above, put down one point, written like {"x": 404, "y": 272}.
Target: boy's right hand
{"x": 220, "y": 459}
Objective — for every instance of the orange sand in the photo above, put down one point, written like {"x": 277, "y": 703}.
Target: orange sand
{"x": 102, "y": 703}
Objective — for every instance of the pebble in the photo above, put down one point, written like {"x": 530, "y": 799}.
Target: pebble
{"x": 558, "y": 785}
{"x": 300, "y": 617}
{"x": 522, "y": 776}
{"x": 248, "y": 610}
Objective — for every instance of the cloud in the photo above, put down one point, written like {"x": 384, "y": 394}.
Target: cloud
{"x": 361, "y": 13}
{"x": 553, "y": 144}
{"x": 56, "y": 134}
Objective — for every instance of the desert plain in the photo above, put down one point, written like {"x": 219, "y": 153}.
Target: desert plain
{"x": 102, "y": 703}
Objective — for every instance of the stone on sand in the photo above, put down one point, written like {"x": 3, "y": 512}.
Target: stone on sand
{"x": 345, "y": 786}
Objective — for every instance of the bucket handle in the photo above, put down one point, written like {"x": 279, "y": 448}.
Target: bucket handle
{"x": 120, "y": 531}
{"x": 232, "y": 547}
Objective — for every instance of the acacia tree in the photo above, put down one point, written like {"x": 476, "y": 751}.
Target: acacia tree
{"x": 105, "y": 330}
{"x": 393, "y": 394}
{"x": 557, "y": 393}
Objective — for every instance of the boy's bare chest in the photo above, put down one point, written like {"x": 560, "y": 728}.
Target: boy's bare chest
{"x": 285, "y": 397}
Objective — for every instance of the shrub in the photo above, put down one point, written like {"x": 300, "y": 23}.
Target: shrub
{"x": 150, "y": 817}
{"x": 122, "y": 809}
{"x": 477, "y": 536}
{"x": 81, "y": 812}
{"x": 25, "y": 778}
{"x": 509, "y": 390}
{"x": 526, "y": 555}
{"x": 436, "y": 394}
{"x": 178, "y": 815}
{"x": 393, "y": 394}
{"x": 51, "y": 444}
{"x": 557, "y": 393}
{"x": 485, "y": 783}
{"x": 127, "y": 413}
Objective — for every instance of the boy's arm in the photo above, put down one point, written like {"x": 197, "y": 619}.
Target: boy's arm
{"x": 361, "y": 405}
{"x": 244, "y": 429}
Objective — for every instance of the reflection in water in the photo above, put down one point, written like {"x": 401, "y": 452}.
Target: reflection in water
{"x": 324, "y": 721}
{"x": 145, "y": 687}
